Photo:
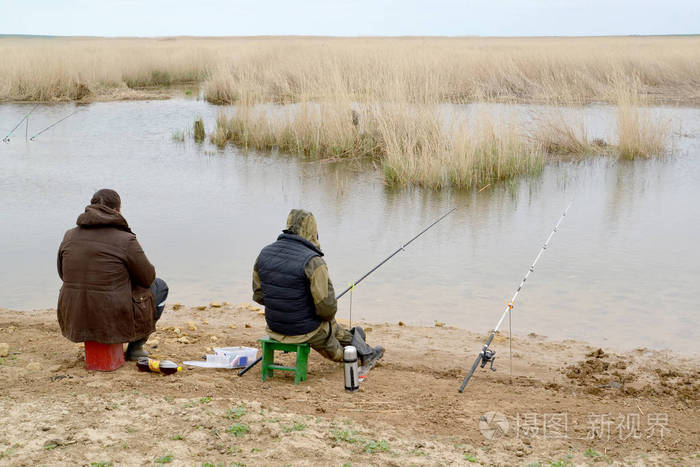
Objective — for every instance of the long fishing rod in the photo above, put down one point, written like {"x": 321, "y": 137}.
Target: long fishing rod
{"x": 7, "y": 138}
{"x": 487, "y": 355}
{"x": 53, "y": 125}
{"x": 351, "y": 286}
{"x": 401, "y": 248}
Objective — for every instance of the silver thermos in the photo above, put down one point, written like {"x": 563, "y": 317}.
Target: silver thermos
{"x": 352, "y": 380}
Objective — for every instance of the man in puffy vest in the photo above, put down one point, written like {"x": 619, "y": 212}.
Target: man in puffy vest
{"x": 110, "y": 292}
{"x": 290, "y": 279}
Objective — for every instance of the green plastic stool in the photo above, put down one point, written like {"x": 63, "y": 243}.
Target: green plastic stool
{"x": 268, "y": 356}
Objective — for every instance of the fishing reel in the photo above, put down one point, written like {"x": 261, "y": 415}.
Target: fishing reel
{"x": 488, "y": 356}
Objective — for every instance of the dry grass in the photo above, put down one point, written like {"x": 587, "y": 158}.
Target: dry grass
{"x": 415, "y": 144}
{"x": 74, "y": 68}
{"x": 640, "y": 131}
{"x": 558, "y": 137}
{"x": 395, "y": 86}
{"x": 422, "y": 70}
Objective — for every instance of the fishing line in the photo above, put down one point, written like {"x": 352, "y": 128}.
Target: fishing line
{"x": 53, "y": 125}
{"x": 510, "y": 345}
{"x": 6, "y": 139}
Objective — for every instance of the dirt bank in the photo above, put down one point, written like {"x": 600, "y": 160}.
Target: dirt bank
{"x": 567, "y": 402}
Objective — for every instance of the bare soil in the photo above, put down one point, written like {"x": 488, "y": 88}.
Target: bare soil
{"x": 567, "y": 403}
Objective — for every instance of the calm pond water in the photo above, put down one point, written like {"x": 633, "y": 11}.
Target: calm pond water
{"x": 623, "y": 271}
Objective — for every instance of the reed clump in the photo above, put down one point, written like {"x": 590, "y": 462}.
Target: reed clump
{"x": 199, "y": 133}
{"x": 414, "y": 144}
{"x": 314, "y": 130}
{"x": 641, "y": 132}
{"x": 557, "y": 136}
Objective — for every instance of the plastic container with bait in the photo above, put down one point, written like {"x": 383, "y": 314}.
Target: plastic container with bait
{"x": 165, "y": 367}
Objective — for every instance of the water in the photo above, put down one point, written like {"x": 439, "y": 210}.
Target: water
{"x": 622, "y": 272}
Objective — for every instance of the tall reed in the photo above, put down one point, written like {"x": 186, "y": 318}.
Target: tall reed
{"x": 640, "y": 131}
{"x": 415, "y": 144}
{"x": 289, "y": 69}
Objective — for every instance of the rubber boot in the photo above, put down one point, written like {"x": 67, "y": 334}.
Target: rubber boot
{"x": 135, "y": 350}
{"x": 360, "y": 331}
{"x": 368, "y": 355}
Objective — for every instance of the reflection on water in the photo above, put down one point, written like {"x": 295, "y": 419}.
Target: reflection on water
{"x": 623, "y": 271}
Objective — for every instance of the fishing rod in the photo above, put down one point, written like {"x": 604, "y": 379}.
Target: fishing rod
{"x": 7, "y": 138}
{"x": 351, "y": 286}
{"x": 401, "y": 248}
{"x": 487, "y": 355}
{"x": 53, "y": 125}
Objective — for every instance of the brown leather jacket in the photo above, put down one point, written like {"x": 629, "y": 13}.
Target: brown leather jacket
{"x": 106, "y": 275}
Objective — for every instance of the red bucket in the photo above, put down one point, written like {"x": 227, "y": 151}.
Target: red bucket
{"x": 103, "y": 357}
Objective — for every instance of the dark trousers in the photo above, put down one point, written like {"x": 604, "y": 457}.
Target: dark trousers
{"x": 159, "y": 289}
{"x": 330, "y": 340}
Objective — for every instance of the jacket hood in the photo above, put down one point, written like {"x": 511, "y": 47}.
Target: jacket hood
{"x": 98, "y": 215}
{"x": 303, "y": 224}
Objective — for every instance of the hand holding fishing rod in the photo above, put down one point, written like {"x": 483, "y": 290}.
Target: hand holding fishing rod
{"x": 351, "y": 286}
{"x": 487, "y": 355}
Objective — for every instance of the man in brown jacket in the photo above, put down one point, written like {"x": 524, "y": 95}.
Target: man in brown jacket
{"x": 110, "y": 292}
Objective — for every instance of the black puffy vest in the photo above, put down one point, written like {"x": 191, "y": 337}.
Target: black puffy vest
{"x": 289, "y": 305}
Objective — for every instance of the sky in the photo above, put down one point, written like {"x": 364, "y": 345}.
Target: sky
{"x": 349, "y": 17}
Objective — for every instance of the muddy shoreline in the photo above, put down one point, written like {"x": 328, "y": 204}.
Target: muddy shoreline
{"x": 566, "y": 401}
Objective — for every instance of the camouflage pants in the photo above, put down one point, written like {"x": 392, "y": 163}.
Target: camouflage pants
{"x": 330, "y": 340}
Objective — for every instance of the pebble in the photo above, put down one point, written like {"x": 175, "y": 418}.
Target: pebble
{"x": 191, "y": 326}
{"x": 184, "y": 340}
{"x": 34, "y": 366}
{"x": 177, "y": 331}
{"x": 4, "y": 349}
{"x": 215, "y": 305}
{"x": 248, "y": 325}
{"x": 214, "y": 338}
{"x": 401, "y": 323}
{"x": 177, "y": 306}
{"x": 438, "y": 324}
{"x": 202, "y": 307}
{"x": 232, "y": 326}
{"x": 55, "y": 368}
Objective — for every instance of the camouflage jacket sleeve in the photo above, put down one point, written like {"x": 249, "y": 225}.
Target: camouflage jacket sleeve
{"x": 321, "y": 288}
{"x": 258, "y": 295}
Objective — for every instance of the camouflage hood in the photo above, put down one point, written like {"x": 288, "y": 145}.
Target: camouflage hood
{"x": 303, "y": 223}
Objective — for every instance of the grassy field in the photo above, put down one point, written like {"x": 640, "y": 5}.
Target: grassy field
{"x": 384, "y": 97}
{"x": 283, "y": 69}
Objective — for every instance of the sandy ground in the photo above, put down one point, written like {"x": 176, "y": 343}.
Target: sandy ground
{"x": 567, "y": 403}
